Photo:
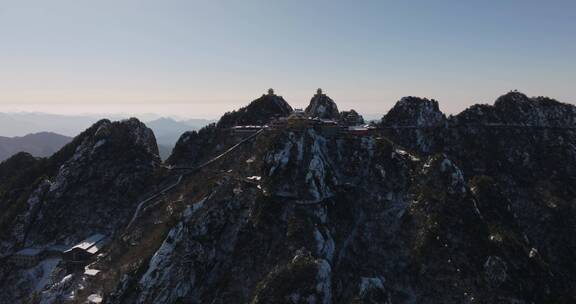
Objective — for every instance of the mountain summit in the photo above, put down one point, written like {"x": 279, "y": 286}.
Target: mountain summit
{"x": 89, "y": 185}
{"x": 259, "y": 112}
{"x": 323, "y": 107}
{"x": 414, "y": 111}
{"x": 423, "y": 208}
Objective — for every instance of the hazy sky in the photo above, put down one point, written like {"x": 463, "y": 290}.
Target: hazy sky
{"x": 201, "y": 58}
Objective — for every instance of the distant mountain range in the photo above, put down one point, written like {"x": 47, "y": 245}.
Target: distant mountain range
{"x": 41, "y": 144}
{"x": 168, "y": 130}
{"x": 28, "y": 132}
{"x": 20, "y": 124}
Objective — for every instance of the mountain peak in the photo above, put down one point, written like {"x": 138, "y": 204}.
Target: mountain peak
{"x": 131, "y": 129}
{"x": 512, "y": 97}
{"x": 515, "y": 108}
{"x": 102, "y": 171}
{"x": 415, "y": 111}
{"x": 259, "y": 112}
{"x": 323, "y": 107}
{"x": 299, "y": 213}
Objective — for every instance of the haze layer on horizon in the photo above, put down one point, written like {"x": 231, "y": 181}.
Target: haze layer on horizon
{"x": 203, "y": 58}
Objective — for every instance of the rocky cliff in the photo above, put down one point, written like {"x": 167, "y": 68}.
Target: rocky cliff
{"x": 196, "y": 146}
{"x": 258, "y": 112}
{"x": 473, "y": 208}
{"x": 323, "y": 107}
{"x": 91, "y": 186}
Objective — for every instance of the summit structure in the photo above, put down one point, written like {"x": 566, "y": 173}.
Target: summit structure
{"x": 477, "y": 207}
{"x": 323, "y": 107}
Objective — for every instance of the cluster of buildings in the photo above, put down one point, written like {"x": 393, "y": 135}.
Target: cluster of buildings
{"x": 298, "y": 120}
{"x": 75, "y": 257}
{"x": 350, "y": 122}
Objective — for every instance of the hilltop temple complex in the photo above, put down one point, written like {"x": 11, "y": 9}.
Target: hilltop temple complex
{"x": 322, "y": 114}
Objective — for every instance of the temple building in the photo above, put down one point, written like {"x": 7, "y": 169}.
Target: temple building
{"x": 78, "y": 255}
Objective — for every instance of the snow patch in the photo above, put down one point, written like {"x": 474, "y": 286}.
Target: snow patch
{"x": 95, "y": 298}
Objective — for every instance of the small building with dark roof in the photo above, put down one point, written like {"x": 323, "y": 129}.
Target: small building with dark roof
{"x": 78, "y": 255}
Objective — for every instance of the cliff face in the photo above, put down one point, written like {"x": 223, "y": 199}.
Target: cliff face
{"x": 473, "y": 208}
{"x": 90, "y": 185}
{"x": 323, "y": 107}
{"x": 258, "y": 112}
{"x": 414, "y": 111}
{"x": 523, "y": 150}
{"x": 517, "y": 108}
{"x": 196, "y": 146}
{"x": 300, "y": 218}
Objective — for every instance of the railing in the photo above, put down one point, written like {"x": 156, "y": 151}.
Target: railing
{"x": 486, "y": 125}
{"x": 190, "y": 170}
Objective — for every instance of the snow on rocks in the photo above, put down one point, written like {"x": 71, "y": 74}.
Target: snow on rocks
{"x": 160, "y": 270}
{"x": 306, "y": 151}
{"x": 317, "y": 175}
{"x": 94, "y": 298}
{"x": 156, "y": 281}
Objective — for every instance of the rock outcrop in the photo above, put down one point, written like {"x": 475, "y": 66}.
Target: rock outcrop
{"x": 516, "y": 108}
{"x": 414, "y": 111}
{"x": 259, "y": 112}
{"x": 476, "y": 208}
{"x": 323, "y": 107}
{"x": 92, "y": 184}
{"x": 351, "y": 118}
{"x": 193, "y": 147}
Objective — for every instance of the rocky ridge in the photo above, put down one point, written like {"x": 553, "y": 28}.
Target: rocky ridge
{"x": 310, "y": 219}
{"x": 90, "y": 186}
{"x": 323, "y": 107}
{"x": 472, "y": 208}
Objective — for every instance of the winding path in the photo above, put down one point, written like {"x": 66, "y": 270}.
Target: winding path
{"x": 191, "y": 170}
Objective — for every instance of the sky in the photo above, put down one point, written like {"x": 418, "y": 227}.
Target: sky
{"x": 202, "y": 58}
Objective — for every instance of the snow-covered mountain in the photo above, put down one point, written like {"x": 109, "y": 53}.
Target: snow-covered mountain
{"x": 472, "y": 208}
{"x": 323, "y": 107}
